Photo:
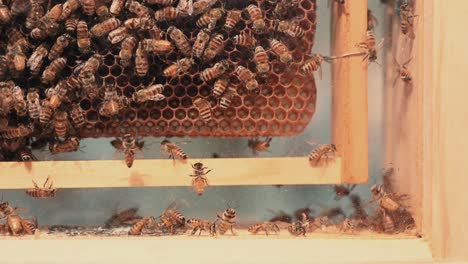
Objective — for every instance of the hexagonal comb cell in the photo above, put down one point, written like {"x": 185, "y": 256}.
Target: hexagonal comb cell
{"x": 283, "y": 104}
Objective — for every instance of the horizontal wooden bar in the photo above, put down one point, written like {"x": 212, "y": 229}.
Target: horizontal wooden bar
{"x": 166, "y": 172}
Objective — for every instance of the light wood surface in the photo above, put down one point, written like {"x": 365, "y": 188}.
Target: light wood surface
{"x": 207, "y": 250}
{"x": 114, "y": 173}
{"x": 349, "y": 89}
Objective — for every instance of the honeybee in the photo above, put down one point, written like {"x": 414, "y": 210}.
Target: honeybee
{"x": 214, "y": 47}
{"x": 245, "y": 39}
{"x": 19, "y": 7}
{"x": 69, "y": 145}
{"x": 102, "y": 11}
{"x": 68, "y": 8}
{"x": 14, "y": 223}
{"x": 140, "y": 225}
{"x": 283, "y": 7}
{"x": 281, "y": 51}
{"x": 204, "y": 108}
{"x": 322, "y": 150}
{"x": 141, "y": 61}
{"x": 202, "y": 39}
{"x": 129, "y": 145}
{"x": 371, "y": 20}
{"x": 179, "y": 67}
{"x": 201, "y": 225}
{"x": 5, "y": 14}
{"x": 299, "y": 227}
{"x": 389, "y": 202}
{"x": 166, "y": 14}
{"x": 174, "y": 151}
{"x": 343, "y": 190}
{"x": 232, "y": 18}
{"x": 117, "y": 35}
{"x": 220, "y": 86}
{"x": 289, "y": 28}
{"x": 313, "y": 64}
{"x": 17, "y": 132}
{"x": 151, "y": 93}
{"x": 54, "y": 68}
{"x": 37, "y": 59}
{"x": 185, "y": 8}
{"x": 116, "y": 7}
{"x": 171, "y": 219}
{"x": 180, "y": 40}
{"x": 71, "y": 24}
{"x": 262, "y": 61}
{"x": 3, "y": 66}
{"x": 112, "y": 103}
{"x": 82, "y": 36}
{"x": 34, "y": 105}
{"x": 247, "y": 77}
{"x": 256, "y": 16}
{"x": 259, "y": 145}
{"x": 226, "y": 100}
{"x": 403, "y": 73}
{"x": 17, "y": 58}
{"x": 157, "y": 46}
{"x": 265, "y": 226}
{"x": 202, "y": 6}
{"x": 226, "y": 221}
{"x": 137, "y": 8}
{"x": 87, "y": 76}
{"x": 199, "y": 182}
{"x": 126, "y": 50}
{"x": 45, "y": 113}
{"x": 214, "y": 72}
{"x": 18, "y": 101}
{"x": 34, "y": 15}
{"x": 140, "y": 23}
{"x": 88, "y": 6}
{"x": 61, "y": 124}
{"x": 160, "y": 2}
{"x": 59, "y": 46}
{"x": 106, "y": 26}
{"x": 123, "y": 218}
{"x": 48, "y": 23}
{"x": 388, "y": 224}
{"x": 77, "y": 116}
{"x": 47, "y": 190}
{"x": 210, "y": 18}
{"x": 370, "y": 46}
{"x": 406, "y": 18}
{"x": 25, "y": 154}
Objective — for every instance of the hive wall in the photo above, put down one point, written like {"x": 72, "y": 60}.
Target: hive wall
{"x": 284, "y": 106}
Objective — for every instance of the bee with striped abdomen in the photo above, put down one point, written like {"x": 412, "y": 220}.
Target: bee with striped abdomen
{"x": 88, "y": 6}
{"x": 47, "y": 190}
{"x": 19, "y": 104}
{"x": 313, "y": 64}
{"x": 69, "y": 7}
{"x": 174, "y": 151}
{"x": 256, "y": 16}
{"x": 247, "y": 77}
{"x": 158, "y": 46}
{"x": 126, "y": 50}
{"x": 105, "y": 27}
{"x": 25, "y": 154}
{"x": 141, "y": 61}
{"x": 179, "y": 67}
{"x": 69, "y": 145}
{"x": 141, "y": 23}
{"x": 45, "y": 113}
{"x": 289, "y": 28}
{"x": 245, "y": 39}
{"x": 123, "y": 218}
{"x": 37, "y": 59}
{"x": 34, "y": 105}
{"x": 226, "y": 99}
{"x": 322, "y": 150}
{"x": 17, "y": 132}
{"x": 261, "y": 59}
{"x": 214, "y": 72}
{"x": 116, "y": 7}
{"x": 117, "y": 35}
{"x": 160, "y": 2}
{"x": 201, "y": 225}
{"x": 77, "y": 116}
{"x": 112, "y": 103}
{"x": 61, "y": 124}
{"x": 265, "y": 227}
{"x": 54, "y": 68}
{"x": 299, "y": 227}
{"x": 171, "y": 220}
{"x": 232, "y": 18}
{"x": 281, "y": 51}
{"x": 219, "y": 87}
{"x": 403, "y": 73}
{"x": 258, "y": 145}
{"x": 214, "y": 47}
{"x": 202, "y": 39}
{"x": 204, "y": 108}
{"x": 370, "y": 46}
{"x": 129, "y": 145}
{"x": 138, "y": 227}
{"x": 166, "y": 14}
{"x": 202, "y": 6}
{"x": 180, "y": 40}
{"x": 59, "y": 46}
{"x": 210, "y": 18}
{"x": 199, "y": 182}
{"x": 226, "y": 221}
{"x": 83, "y": 37}
{"x": 137, "y": 8}
{"x": 406, "y": 18}
{"x": 151, "y": 93}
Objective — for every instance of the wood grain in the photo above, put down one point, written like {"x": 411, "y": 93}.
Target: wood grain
{"x": 349, "y": 89}
{"x": 114, "y": 173}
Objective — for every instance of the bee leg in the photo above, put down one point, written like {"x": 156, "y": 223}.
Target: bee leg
{"x": 266, "y": 231}
{"x": 194, "y": 230}
{"x": 232, "y": 231}
{"x": 200, "y": 229}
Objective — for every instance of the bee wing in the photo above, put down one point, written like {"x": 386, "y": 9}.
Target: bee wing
{"x": 117, "y": 144}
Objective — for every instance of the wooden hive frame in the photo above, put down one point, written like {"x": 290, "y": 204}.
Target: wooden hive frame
{"x": 349, "y": 128}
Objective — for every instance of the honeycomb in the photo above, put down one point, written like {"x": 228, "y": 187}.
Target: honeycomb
{"x": 283, "y": 106}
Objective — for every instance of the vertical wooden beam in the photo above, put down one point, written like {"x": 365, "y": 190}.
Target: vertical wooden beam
{"x": 349, "y": 82}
